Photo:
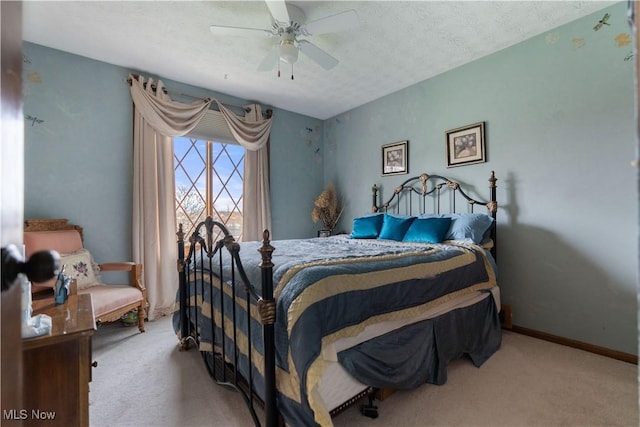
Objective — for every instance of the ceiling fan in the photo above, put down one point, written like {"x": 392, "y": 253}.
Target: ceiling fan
{"x": 289, "y": 29}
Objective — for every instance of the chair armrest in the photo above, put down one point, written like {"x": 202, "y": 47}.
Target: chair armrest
{"x": 117, "y": 266}
{"x": 135, "y": 269}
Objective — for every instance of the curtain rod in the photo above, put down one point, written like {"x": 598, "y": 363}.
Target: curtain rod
{"x": 245, "y": 109}
{"x": 166, "y": 92}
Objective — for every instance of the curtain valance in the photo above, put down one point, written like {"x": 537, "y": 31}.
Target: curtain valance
{"x": 251, "y": 135}
{"x": 174, "y": 118}
{"x": 166, "y": 116}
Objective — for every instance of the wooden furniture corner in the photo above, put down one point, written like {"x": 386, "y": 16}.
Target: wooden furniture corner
{"x": 48, "y": 224}
{"x": 57, "y": 366}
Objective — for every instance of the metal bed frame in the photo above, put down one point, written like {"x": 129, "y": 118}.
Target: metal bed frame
{"x": 221, "y": 365}
{"x": 424, "y": 187}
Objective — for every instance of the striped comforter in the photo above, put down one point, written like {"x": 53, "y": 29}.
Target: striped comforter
{"x": 331, "y": 288}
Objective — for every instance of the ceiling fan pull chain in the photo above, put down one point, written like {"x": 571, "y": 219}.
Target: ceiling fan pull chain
{"x": 291, "y": 71}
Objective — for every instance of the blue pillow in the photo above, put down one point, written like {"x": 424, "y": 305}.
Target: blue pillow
{"x": 394, "y": 228}
{"x": 427, "y": 230}
{"x": 470, "y": 227}
{"x": 366, "y": 227}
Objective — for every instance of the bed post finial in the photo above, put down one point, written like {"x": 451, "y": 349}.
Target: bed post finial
{"x": 374, "y": 204}
{"x": 180, "y": 233}
{"x": 266, "y": 250}
{"x": 492, "y": 205}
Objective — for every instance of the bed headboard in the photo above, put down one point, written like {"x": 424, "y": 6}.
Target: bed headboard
{"x": 426, "y": 193}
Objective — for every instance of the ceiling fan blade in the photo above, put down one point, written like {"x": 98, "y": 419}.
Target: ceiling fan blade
{"x": 343, "y": 21}
{"x": 270, "y": 60}
{"x": 318, "y": 55}
{"x": 222, "y": 30}
{"x": 278, "y": 9}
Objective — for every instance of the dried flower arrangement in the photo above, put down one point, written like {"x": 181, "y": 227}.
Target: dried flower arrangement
{"x": 327, "y": 208}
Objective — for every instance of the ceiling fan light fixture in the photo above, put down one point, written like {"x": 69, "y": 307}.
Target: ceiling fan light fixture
{"x": 288, "y": 51}
{"x": 288, "y": 26}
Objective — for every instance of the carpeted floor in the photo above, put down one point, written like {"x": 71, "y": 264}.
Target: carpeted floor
{"x": 143, "y": 380}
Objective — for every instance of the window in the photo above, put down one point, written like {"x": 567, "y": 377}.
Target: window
{"x": 209, "y": 181}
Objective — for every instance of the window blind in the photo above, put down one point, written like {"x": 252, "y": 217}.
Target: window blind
{"x": 213, "y": 127}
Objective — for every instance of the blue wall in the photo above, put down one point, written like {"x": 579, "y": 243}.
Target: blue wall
{"x": 78, "y": 147}
{"x": 78, "y": 151}
{"x": 560, "y": 135}
{"x": 560, "y": 129}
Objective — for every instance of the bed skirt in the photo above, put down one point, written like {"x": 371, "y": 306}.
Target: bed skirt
{"x": 426, "y": 348}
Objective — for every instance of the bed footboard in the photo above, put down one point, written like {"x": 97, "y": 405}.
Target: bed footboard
{"x": 223, "y": 360}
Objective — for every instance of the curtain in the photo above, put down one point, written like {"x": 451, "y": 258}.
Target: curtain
{"x": 157, "y": 119}
{"x": 252, "y": 131}
{"x": 256, "y": 215}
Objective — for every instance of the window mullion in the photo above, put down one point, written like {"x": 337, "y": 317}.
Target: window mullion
{"x": 209, "y": 171}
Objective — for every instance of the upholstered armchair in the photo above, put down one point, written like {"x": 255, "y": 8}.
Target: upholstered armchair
{"x": 110, "y": 302}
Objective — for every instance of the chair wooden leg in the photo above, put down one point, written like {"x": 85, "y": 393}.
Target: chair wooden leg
{"x": 141, "y": 318}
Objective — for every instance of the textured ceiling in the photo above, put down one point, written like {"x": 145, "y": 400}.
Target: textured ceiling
{"x": 398, "y": 43}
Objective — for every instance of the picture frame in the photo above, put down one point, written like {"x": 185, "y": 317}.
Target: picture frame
{"x": 395, "y": 158}
{"x": 466, "y": 145}
{"x": 324, "y": 233}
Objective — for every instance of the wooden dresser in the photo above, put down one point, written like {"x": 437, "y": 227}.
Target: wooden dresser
{"x": 57, "y": 367}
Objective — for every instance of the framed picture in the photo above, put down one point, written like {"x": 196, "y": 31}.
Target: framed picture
{"x": 466, "y": 145}
{"x": 395, "y": 160}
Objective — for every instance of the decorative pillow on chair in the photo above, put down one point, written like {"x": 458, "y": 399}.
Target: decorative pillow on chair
{"x": 80, "y": 266}
{"x": 394, "y": 227}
